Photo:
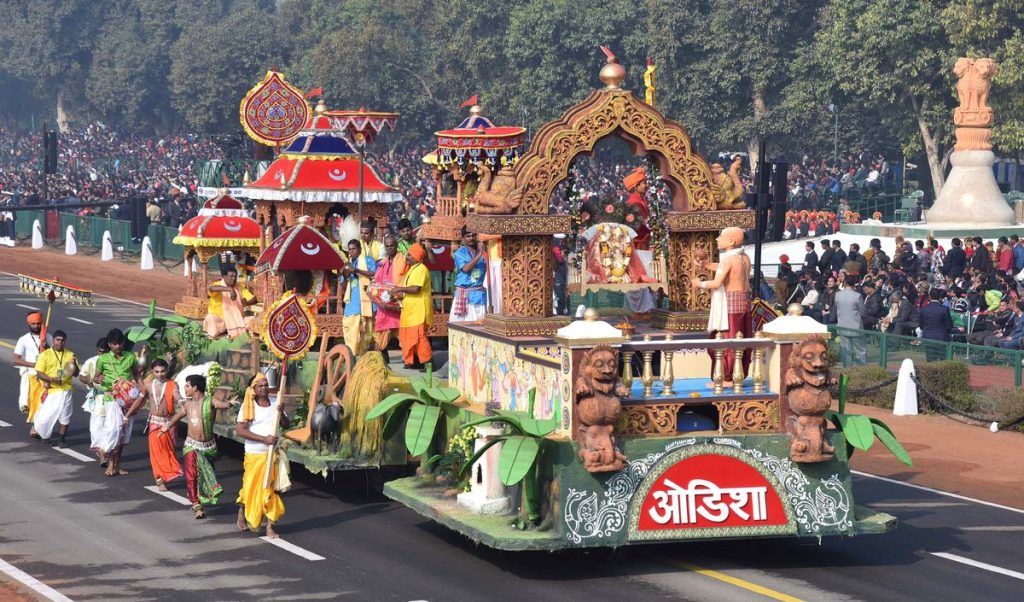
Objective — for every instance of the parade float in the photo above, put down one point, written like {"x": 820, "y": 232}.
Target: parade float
{"x": 551, "y": 433}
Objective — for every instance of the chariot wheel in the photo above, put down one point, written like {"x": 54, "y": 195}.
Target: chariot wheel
{"x": 337, "y": 368}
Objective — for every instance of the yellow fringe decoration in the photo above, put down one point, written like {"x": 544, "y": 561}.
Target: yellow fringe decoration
{"x": 365, "y": 389}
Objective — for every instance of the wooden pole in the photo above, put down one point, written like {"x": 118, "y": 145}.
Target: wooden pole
{"x": 277, "y": 416}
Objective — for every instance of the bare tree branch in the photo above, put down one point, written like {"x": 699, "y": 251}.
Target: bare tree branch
{"x": 426, "y": 88}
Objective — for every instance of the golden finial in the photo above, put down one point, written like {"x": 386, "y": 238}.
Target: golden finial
{"x": 321, "y": 108}
{"x": 612, "y": 74}
{"x": 795, "y": 309}
{"x": 476, "y": 111}
{"x": 303, "y": 220}
{"x": 590, "y": 314}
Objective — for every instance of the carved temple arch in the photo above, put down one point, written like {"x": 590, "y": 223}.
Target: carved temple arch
{"x": 613, "y": 113}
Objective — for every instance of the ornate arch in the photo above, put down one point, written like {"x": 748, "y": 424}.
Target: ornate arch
{"x": 613, "y": 113}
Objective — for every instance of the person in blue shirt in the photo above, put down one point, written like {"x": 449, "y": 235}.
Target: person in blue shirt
{"x": 470, "y": 302}
{"x": 1018, "y": 253}
{"x": 357, "y": 323}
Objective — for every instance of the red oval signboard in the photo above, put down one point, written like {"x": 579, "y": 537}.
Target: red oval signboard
{"x": 696, "y": 493}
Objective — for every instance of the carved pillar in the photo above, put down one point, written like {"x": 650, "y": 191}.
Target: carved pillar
{"x": 692, "y": 234}
{"x": 527, "y": 272}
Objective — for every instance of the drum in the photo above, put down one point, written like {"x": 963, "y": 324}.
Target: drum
{"x": 383, "y": 295}
{"x": 125, "y": 392}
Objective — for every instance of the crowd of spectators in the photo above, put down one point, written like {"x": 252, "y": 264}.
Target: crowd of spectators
{"x": 974, "y": 287}
{"x": 817, "y": 184}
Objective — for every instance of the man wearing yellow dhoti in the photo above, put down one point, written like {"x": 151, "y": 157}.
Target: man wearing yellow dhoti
{"x": 255, "y": 424}
{"x": 228, "y": 300}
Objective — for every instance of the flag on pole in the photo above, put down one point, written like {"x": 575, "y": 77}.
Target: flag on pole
{"x": 472, "y": 101}
{"x": 317, "y": 91}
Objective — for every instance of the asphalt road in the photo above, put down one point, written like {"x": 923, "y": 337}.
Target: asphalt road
{"x": 96, "y": 538}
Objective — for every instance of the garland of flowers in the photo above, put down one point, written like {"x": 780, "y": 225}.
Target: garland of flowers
{"x": 574, "y": 242}
{"x": 658, "y": 208}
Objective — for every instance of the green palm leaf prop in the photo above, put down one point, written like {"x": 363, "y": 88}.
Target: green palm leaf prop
{"x": 517, "y": 458}
{"x": 419, "y": 431}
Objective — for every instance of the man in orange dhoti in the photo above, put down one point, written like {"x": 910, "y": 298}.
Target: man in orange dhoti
{"x": 163, "y": 398}
{"x": 228, "y": 300}
{"x": 417, "y": 310}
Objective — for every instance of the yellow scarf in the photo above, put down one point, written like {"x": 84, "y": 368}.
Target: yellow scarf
{"x": 248, "y": 409}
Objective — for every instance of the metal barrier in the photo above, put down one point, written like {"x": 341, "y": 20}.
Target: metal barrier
{"x": 89, "y": 233}
{"x": 999, "y": 367}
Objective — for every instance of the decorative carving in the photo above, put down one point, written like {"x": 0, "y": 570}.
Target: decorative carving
{"x": 192, "y": 307}
{"x": 444, "y": 227}
{"x": 750, "y": 416}
{"x": 597, "y": 406}
{"x": 974, "y": 117}
{"x": 527, "y": 265}
{"x": 518, "y": 224}
{"x": 511, "y": 326}
{"x": 706, "y": 221}
{"x": 685, "y": 249}
{"x": 651, "y": 419}
{"x": 730, "y": 184}
{"x": 495, "y": 194}
{"x": 807, "y": 386}
{"x": 679, "y": 321}
{"x": 605, "y": 113}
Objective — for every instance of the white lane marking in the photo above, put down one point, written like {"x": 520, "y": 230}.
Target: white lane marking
{"x": 26, "y": 306}
{"x": 917, "y": 504}
{"x": 294, "y": 549}
{"x": 938, "y": 491}
{"x": 70, "y": 452}
{"x": 981, "y": 565}
{"x": 5, "y": 424}
{"x": 29, "y": 581}
{"x": 995, "y": 528}
{"x": 73, "y": 319}
{"x": 170, "y": 495}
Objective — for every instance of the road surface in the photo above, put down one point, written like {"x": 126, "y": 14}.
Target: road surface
{"x": 90, "y": 537}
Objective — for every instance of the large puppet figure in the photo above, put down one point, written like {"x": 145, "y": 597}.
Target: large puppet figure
{"x": 730, "y": 294}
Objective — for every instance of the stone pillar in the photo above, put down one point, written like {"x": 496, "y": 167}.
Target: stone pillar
{"x": 971, "y": 196}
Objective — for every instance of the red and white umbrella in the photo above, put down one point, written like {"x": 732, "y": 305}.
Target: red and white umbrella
{"x": 222, "y": 223}
{"x": 302, "y": 247}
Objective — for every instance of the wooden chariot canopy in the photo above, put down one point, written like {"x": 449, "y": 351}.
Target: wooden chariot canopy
{"x": 516, "y": 207}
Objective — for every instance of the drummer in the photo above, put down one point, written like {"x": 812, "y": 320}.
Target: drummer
{"x": 385, "y": 324}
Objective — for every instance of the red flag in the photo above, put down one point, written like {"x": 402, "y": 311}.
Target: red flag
{"x": 472, "y": 101}
{"x": 224, "y": 178}
{"x": 317, "y": 91}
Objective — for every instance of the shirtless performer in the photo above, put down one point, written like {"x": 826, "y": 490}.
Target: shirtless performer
{"x": 730, "y": 295}
{"x": 200, "y": 445}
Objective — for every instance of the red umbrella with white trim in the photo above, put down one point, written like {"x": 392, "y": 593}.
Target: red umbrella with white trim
{"x": 302, "y": 247}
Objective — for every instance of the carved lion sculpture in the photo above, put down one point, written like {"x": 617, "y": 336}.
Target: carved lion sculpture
{"x": 730, "y": 184}
{"x": 807, "y": 388}
{"x": 597, "y": 409}
{"x": 495, "y": 195}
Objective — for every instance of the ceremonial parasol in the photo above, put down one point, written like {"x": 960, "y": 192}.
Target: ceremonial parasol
{"x": 273, "y": 112}
{"x": 302, "y": 247}
{"x": 476, "y": 139}
{"x": 44, "y": 287}
{"x": 289, "y": 330}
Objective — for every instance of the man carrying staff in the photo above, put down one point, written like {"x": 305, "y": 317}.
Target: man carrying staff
{"x": 357, "y": 323}
{"x": 200, "y": 445}
{"x": 163, "y": 399}
{"x": 417, "y": 310}
{"x": 255, "y": 424}
{"x": 228, "y": 300}
{"x": 55, "y": 368}
{"x": 385, "y": 324}
{"x": 470, "y": 303}
{"x": 26, "y": 352}
{"x": 730, "y": 294}
{"x": 118, "y": 376}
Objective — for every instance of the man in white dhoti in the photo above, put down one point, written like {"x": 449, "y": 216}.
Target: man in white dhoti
{"x": 55, "y": 368}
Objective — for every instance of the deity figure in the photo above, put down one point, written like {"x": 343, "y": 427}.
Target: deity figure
{"x": 611, "y": 258}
